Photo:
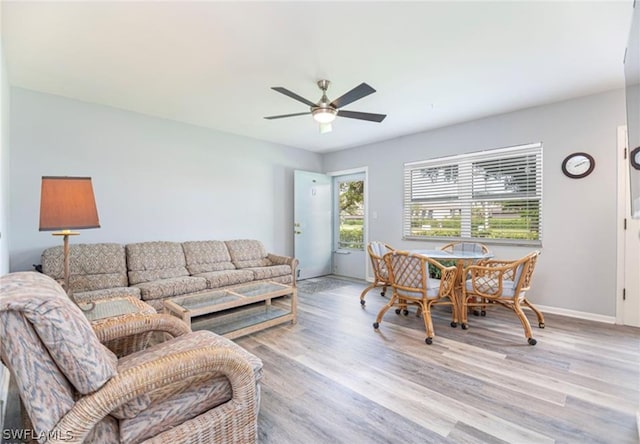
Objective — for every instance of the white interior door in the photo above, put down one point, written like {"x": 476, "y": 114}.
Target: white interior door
{"x": 349, "y": 225}
{"x": 312, "y": 223}
{"x": 628, "y": 297}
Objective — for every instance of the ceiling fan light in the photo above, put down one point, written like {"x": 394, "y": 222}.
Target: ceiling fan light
{"x": 324, "y": 115}
{"x": 325, "y": 128}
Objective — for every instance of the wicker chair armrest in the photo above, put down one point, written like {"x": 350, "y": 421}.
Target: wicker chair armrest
{"x": 447, "y": 280}
{"x": 128, "y": 334}
{"x": 178, "y": 368}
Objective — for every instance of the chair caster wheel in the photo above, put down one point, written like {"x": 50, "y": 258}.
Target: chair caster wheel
{"x": 454, "y": 324}
{"x": 532, "y": 341}
{"x": 476, "y": 313}
{"x": 429, "y": 341}
{"x": 483, "y": 313}
{"x": 362, "y": 302}
{"x": 541, "y": 324}
{"x": 398, "y": 311}
{"x": 376, "y": 325}
{"x": 405, "y": 312}
{"x": 382, "y": 293}
{"x": 464, "y": 326}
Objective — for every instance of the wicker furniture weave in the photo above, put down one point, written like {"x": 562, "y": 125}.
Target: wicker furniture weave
{"x": 376, "y": 252}
{"x": 194, "y": 388}
{"x": 502, "y": 283}
{"x": 409, "y": 277}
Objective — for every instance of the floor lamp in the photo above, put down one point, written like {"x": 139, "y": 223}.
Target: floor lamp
{"x": 67, "y": 203}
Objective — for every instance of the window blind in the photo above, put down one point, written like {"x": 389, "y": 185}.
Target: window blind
{"x": 494, "y": 194}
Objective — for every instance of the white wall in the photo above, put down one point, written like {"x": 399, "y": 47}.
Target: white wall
{"x": 4, "y": 161}
{"x": 153, "y": 179}
{"x": 577, "y": 269}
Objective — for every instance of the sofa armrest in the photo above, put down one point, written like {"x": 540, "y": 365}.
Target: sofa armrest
{"x": 128, "y": 334}
{"x": 285, "y": 260}
{"x": 239, "y": 413}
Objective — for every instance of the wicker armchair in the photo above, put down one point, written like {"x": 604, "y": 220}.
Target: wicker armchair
{"x": 196, "y": 387}
{"x": 376, "y": 251}
{"x": 502, "y": 283}
{"x": 409, "y": 277}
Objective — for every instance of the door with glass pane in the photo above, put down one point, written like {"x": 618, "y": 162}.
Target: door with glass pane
{"x": 349, "y": 230}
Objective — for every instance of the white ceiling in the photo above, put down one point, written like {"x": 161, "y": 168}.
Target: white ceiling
{"x": 212, "y": 63}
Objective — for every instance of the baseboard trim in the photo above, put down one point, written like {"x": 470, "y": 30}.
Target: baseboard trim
{"x": 577, "y": 314}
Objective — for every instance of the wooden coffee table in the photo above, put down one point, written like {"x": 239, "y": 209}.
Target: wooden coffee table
{"x": 237, "y": 311}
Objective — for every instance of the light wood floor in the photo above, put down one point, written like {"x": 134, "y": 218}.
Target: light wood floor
{"x": 332, "y": 379}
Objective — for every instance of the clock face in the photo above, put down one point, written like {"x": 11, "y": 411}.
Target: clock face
{"x": 635, "y": 158}
{"x": 578, "y": 165}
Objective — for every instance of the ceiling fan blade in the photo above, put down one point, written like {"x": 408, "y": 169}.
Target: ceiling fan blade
{"x": 293, "y": 95}
{"x": 287, "y": 115}
{"x": 356, "y": 93}
{"x": 362, "y": 116}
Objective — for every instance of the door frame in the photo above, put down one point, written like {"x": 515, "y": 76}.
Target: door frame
{"x": 359, "y": 170}
{"x": 623, "y": 192}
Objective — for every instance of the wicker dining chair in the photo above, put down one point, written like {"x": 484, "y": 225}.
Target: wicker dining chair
{"x": 502, "y": 283}
{"x": 409, "y": 278}
{"x": 195, "y": 388}
{"x": 472, "y": 247}
{"x": 376, "y": 252}
{"x": 465, "y": 246}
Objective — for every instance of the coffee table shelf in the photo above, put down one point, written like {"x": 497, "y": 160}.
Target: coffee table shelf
{"x": 237, "y": 311}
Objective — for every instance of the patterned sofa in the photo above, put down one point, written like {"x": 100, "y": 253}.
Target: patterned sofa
{"x": 155, "y": 271}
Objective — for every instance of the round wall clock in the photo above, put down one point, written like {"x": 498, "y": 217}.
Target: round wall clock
{"x": 578, "y": 165}
{"x": 635, "y": 158}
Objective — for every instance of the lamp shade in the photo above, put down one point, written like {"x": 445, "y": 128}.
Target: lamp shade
{"x": 67, "y": 203}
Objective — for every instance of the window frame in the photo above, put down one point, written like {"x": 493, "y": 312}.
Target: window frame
{"x": 463, "y": 199}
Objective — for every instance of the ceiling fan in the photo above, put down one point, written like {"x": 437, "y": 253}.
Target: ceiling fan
{"x": 325, "y": 112}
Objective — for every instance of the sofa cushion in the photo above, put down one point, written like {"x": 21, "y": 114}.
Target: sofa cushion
{"x": 217, "y": 279}
{"x": 164, "y": 288}
{"x": 246, "y": 253}
{"x": 261, "y": 273}
{"x": 106, "y": 293}
{"x": 91, "y": 266}
{"x": 151, "y": 261}
{"x": 206, "y": 256}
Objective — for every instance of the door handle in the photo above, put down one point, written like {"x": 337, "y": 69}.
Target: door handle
{"x": 342, "y": 252}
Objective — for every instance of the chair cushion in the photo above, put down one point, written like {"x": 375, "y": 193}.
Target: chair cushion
{"x": 61, "y": 327}
{"x": 152, "y": 261}
{"x": 206, "y": 256}
{"x": 379, "y": 248}
{"x": 224, "y": 278}
{"x": 508, "y": 288}
{"x": 153, "y": 413}
{"x": 433, "y": 288}
{"x": 247, "y": 253}
{"x": 164, "y": 288}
